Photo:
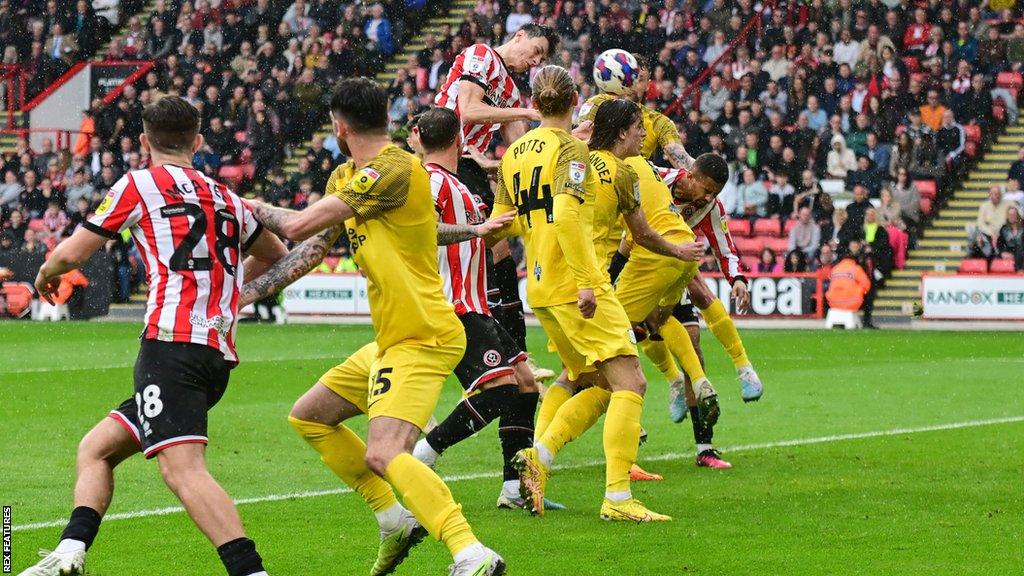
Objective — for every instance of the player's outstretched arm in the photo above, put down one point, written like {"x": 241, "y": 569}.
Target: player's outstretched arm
{"x": 298, "y": 226}
{"x": 677, "y": 155}
{"x": 473, "y": 109}
{"x": 67, "y": 256}
{"x": 645, "y": 236}
{"x": 264, "y": 252}
{"x": 295, "y": 265}
{"x": 455, "y": 233}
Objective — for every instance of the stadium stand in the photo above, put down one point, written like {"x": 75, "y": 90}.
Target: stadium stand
{"x": 773, "y": 88}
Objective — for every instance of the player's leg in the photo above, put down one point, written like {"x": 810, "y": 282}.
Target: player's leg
{"x": 703, "y": 432}
{"x": 622, "y": 439}
{"x": 318, "y": 416}
{"x": 175, "y": 386}
{"x": 679, "y": 343}
{"x": 407, "y": 382}
{"x": 503, "y": 277}
{"x": 657, "y": 351}
{"x": 487, "y": 376}
{"x": 557, "y": 394}
{"x": 515, "y": 432}
{"x": 721, "y": 325}
{"x": 100, "y": 451}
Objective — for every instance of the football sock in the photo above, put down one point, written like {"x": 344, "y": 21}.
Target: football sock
{"x": 345, "y": 454}
{"x": 662, "y": 359}
{"x": 513, "y": 320}
{"x": 240, "y": 557}
{"x": 621, "y": 441}
{"x": 515, "y": 430}
{"x": 575, "y": 417}
{"x": 430, "y": 501}
{"x": 471, "y": 415}
{"x": 678, "y": 341}
{"x": 83, "y": 526}
{"x": 702, "y": 434}
{"x": 390, "y": 518}
{"x": 557, "y": 394}
{"x": 724, "y": 329}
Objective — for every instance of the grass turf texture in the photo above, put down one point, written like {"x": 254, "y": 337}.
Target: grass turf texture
{"x": 938, "y": 502}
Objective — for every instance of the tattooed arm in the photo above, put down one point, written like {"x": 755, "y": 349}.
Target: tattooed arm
{"x": 295, "y": 265}
{"x": 455, "y": 233}
{"x": 298, "y": 226}
{"x": 677, "y": 155}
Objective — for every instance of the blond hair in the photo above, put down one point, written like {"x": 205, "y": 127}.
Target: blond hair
{"x": 553, "y": 90}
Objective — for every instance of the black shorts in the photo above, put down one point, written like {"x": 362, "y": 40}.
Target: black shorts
{"x": 490, "y": 351}
{"x": 686, "y": 314}
{"x": 476, "y": 180}
{"x": 176, "y": 384}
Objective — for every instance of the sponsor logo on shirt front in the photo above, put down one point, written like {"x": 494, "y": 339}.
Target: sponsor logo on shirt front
{"x": 217, "y": 323}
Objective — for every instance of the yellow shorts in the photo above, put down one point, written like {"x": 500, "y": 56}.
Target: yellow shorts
{"x": 580, "y": 342}
{"x": 649, "y": 281}
{"x": 404, "y": 383}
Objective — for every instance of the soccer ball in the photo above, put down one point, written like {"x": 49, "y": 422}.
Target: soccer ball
{"x": 615, "y": 71}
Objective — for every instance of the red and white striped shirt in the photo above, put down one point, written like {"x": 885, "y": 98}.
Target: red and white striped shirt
{"x": 710, "y": 220}
{"x": 191, "y": 232}
{"x": 461, "y": 265}
{"x": 481, "y": 65}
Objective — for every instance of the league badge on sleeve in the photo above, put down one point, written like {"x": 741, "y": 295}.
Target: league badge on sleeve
{"x": 364, "y": 179}
{"x": 105, "y": 204}
{"x": 577, "y": 171}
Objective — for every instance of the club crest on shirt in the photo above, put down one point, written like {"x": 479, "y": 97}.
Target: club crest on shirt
{"x": 105, "y": 205}
{"x": 577, "y": 171}
{"x": 475, "y": 65}
{"x": 364, "y": 179}
{"x": 585, "y": 109}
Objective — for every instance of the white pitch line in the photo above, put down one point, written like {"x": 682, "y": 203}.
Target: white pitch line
{"x": 484, "y": 475}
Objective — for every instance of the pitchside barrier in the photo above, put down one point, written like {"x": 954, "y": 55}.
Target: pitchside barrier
{"x": 771, "y": 295}
{"x": 972, "y": 297}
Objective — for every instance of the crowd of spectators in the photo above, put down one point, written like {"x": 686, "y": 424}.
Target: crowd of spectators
{"x": 828, "y": 112}
{"x": 998, "y": 231}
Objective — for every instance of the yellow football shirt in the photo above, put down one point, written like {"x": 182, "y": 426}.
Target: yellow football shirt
{"x": 394, "y": 240}
{"x": 542, "y": 165}
{"x": 617, "y": 193}
{"x": 661, "y": 212}
{"x": 660, "y": 130}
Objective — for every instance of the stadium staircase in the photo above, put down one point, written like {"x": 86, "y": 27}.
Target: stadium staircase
{"x": 944, "y": 244}
{"x": 398, "y": 60}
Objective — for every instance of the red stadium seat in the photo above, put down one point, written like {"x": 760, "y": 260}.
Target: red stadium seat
{"x": 767, "y": 227}
{"x": 1002, "y": 266}
{"x": 927, "y": 188}
{"x": 974, "y": 266}
{"x": 999, "y": 111}
{"x": 790, "y": 223}
{"x": 972, "y": 132}
{"x": 1011, "y": 80}
{"x": 739, "y": 227}
{"x": 971, "y": 149}
{"x": 748, "y": 246}
{"x": 779, "y": 245}
{"x": 19, "y": 297}
{"x": 926, "y": 206}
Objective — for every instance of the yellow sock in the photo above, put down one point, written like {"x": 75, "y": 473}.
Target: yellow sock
{"x": 556, "y": 395}
{"x": 662, "y": 359}
{"x": 345, "y": 454}
{"x": 430, "y": 501}
{"x": 621, "y": 440}
{"x": 575, "y": 417}
{"x": 722, "y": 326}
{"x": 678, "y": 341}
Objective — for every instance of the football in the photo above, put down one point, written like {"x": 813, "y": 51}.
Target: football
{"x": 615, "y": 71}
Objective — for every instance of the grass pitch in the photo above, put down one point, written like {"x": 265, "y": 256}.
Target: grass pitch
{"x": 871, "y": 453}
